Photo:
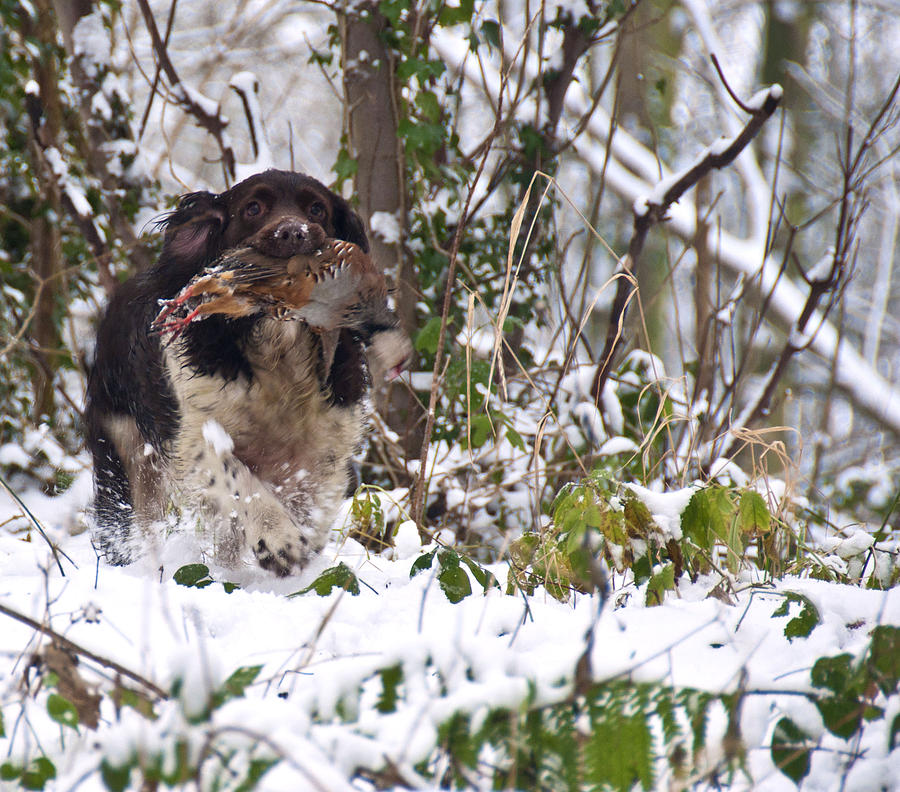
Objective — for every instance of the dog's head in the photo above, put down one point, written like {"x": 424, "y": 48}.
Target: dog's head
{"x": 279, "y": 213}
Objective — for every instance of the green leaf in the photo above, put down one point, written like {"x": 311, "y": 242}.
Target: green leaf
{"x": 789, "y": 750}
{"x": 422, "y": 563}
{"x": 842, "y": 715}
{"x": 802, "y": 624}
{"x": 428, "y": 103}
{"x": 38, "y": 773}
{"x": 484, "y": 577}
{"x": 340, "y": 576}
{"x": 884, "y": 658}
{"x": 2, "y": 729}
{"x": 659, "y": 584}
{"x": 833, "y": 673}
{"x": 515, "y": 439}
{"x": 490, "y": 29}
{"x": 453, "y": 580}
{"x": 257, "y": 769}
{"x": 10, "y": 771}
{"x": 753, "y": 513}
{"x": 894, "y": 739}
{"x": 62, "y": 710}
{"x": 344, "y": 166}
{"x": 115, "y": 779}
{"x": 193, "y": 576}
{"x": 619, "y": 751}
{"x": 456, "y": 14}
{"x": 427, "y": 338}
{"x": 695, "y": 520}
{"x": 390, "y": 680}
{"x": 482, "y": 429}
{"x": 238, "y": 682}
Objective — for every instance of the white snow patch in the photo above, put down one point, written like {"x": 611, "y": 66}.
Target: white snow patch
{"x": 387, "y": 226}
{"x": 217, "y": 438}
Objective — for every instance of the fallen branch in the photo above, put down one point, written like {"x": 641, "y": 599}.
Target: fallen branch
{"x": 65, "y": 643}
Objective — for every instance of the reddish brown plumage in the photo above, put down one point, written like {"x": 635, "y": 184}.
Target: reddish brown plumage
{"x": 336, "y": 286}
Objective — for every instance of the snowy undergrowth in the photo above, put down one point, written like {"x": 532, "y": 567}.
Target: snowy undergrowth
{"x": 425, "y": 669}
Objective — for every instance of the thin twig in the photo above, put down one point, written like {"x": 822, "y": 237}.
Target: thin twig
{"x": 65, "y": 643}
{"x": 651, "y": 211}
{"x": 36, "y": 523}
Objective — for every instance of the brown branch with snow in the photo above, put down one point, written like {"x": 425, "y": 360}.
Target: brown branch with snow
{"x": 189, "y": 100}
{"x": 652, "y": 209}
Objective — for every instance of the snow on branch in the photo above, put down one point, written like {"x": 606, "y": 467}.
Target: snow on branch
{"x": 628, "y": 168}
{"x": 203, "y": 109}
{"x": 652, "y": 208}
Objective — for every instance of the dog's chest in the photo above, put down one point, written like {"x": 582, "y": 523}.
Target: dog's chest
{"x": 281, "y": 423}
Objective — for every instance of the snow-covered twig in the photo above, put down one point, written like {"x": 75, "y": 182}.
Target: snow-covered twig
{"x": 630, "y": 171}
{"x": 652, "y": 208}
{"x": 203, "y": 110}
{"x": 71, "y": 646}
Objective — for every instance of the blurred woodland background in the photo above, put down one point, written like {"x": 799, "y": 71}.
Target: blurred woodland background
{"x": 506, "y": 156}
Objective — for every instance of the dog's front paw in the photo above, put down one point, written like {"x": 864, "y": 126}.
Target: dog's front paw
{"x": 281, "y": 551}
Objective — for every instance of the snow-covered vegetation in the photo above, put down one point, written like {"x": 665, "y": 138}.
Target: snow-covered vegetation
{"x": 629, "y": 521}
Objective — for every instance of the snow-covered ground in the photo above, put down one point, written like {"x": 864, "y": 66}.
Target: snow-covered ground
{"x": 316, "y": 700}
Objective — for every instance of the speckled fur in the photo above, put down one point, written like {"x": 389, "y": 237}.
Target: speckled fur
{"x": 293, "y": 414}
{"x": 276, "y": 492}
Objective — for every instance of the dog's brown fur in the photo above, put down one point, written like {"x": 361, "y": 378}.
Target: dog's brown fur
{"x": 245, "y": 420}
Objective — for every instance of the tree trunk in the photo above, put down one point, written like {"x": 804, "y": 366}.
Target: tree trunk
{"x": 379, "y": 183}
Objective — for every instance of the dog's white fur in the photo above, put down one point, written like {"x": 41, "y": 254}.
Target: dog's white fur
{"x": 281, "y": 500}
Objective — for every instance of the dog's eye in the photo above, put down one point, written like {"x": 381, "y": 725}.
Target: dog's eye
{"x": 252, "y": 209}
{"x": 317, "y": 211}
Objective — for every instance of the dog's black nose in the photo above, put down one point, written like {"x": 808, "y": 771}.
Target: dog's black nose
{"x": 288, "y": 237}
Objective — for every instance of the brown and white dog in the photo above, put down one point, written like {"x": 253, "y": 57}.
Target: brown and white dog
{"x": 244, "y": 419}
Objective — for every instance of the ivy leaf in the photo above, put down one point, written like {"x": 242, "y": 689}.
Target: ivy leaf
{"x": 789, "y": 750}
{"x": 344, "y": 166}
{"x": 884, "y": 658}
{"x": 38, "y": 773}
{"x": 659, "y": 584}
{"x": 340, "y": 576}
{"x": 115, "y": 779}
{"x": 802, "y": 624}
{"x": 193, "y": 576}
{"x": 390, "y": 680}
{"x": 62, "y": 710}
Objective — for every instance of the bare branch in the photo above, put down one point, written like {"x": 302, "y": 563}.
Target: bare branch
{"x": 188, "y": 100}
{"x": 65, "y": 643}
{"x": 652, "y": 209}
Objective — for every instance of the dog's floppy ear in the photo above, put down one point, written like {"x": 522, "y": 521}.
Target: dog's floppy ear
{"x": 348, "y": 225}
{"x": 194, "y": 230}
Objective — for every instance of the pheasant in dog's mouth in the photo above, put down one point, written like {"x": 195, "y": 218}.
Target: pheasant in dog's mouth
{"x": 337, "y": 286}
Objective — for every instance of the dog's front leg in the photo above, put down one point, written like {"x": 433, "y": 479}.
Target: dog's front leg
{"x": 244, "y": 510}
